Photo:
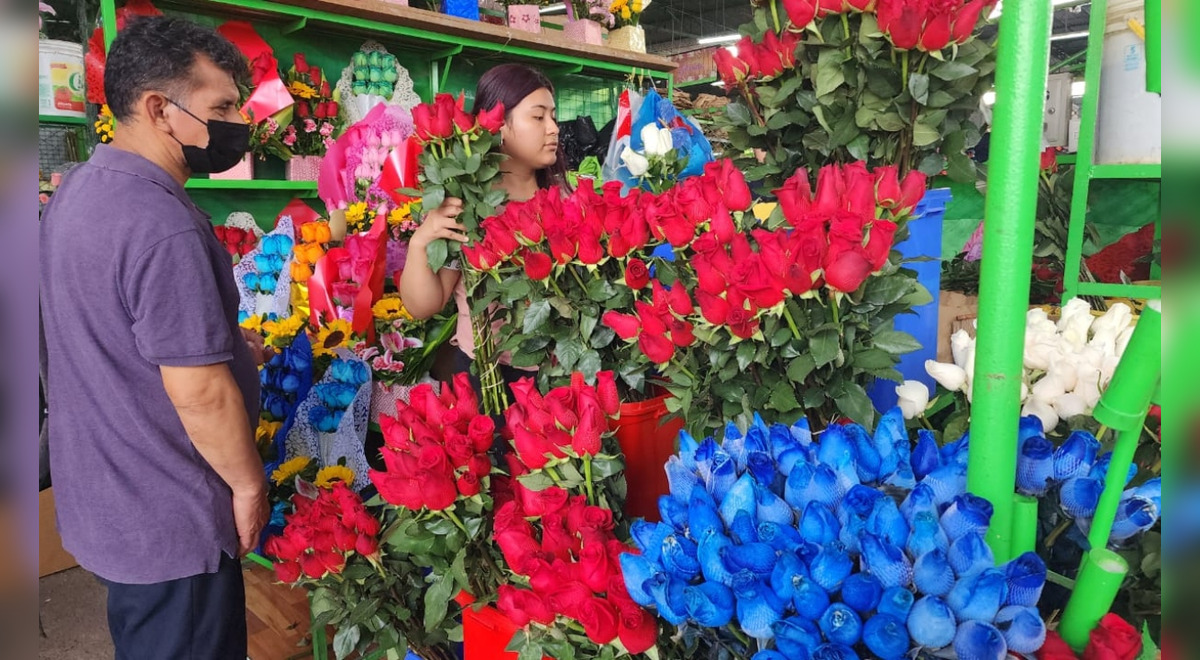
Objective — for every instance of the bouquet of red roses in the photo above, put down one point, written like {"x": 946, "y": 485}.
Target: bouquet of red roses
{"x": 325, "y": 529}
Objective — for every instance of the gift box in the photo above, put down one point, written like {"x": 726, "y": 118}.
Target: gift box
{"x": 584, "y": 31}
{"x": 527, "y": 18}
{"x": 303, "y": 168}
{"x": 243, "y": 171}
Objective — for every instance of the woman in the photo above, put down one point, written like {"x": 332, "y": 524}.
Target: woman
{"x": 535, "y": 161}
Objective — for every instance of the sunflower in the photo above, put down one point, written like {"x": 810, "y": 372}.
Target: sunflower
{"x": 337, "y": 333}
{"x": 281, "y": 333}
{"x": 253, "y": 322}
{"x": 356, "y": 218}
{"x": 302, "y": 90}
{"x": 289, "y": 469}
{"x": 327, "y": 476}
{"x": 390, "y": 308}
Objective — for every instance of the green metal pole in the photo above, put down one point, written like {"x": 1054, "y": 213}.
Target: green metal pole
{"x": 1127, "y": 399}
{"x": 1154, "y": 46}
{"x": 1099, "y": 580}
{"x": 1025, "y": 522}
{"x": 108, "y": 19}
{"x": 1024, "y": 56}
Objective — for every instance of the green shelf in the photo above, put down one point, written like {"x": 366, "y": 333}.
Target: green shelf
{"x": 54, "y": 119}
{"x": 1133, "y": 171}
{"x": 1104, "y": 290}
{"x": 252, "y": 184}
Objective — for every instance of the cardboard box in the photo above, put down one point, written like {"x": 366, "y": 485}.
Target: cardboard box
{"x": 51, "y": 556}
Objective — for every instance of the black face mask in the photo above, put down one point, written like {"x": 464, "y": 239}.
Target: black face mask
{"x": 228, "y": 143}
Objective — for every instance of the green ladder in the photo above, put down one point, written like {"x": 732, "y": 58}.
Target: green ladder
{"x": 1086, "y": 169}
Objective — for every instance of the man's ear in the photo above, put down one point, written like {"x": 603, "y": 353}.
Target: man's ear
{"x": 153, "y": 106}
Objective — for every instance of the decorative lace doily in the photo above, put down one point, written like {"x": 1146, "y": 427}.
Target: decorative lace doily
{"x": 278, "y": 303}
{"x": 346, "y": 445}
{"x": 358, "y": 105}
{"x": 244, "y": 221}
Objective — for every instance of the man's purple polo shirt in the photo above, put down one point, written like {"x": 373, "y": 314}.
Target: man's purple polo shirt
{"x": 132, "y": 278}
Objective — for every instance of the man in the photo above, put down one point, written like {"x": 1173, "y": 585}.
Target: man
{"x": 152, "y": 387}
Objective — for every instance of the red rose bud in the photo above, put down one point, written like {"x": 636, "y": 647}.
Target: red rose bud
{"x": 637, "y": 275}
{"x": 826, "y": 7}
{"x": 912, "y": 189}
{"x": 637, "y": 628}
{"x": 905, "y": 29}
{"x": 302, "y": 110}
{"x": 299, "y": 63}
{"x": 443, "y": 116}
{"x": 769, "y": 56}
{"x": 678, "y": 299}
{"x": 1113, "y": 639}
{"x": 599, "y": 619}
{"x": 879, "y": 243}
{"x": 287, "y": 571}
{"x": 861, "y": 5}
{"x": 468, "y": 485}
{"x": 332, "y": 108}
{"x": 627, "y": 327}
{"x": 522, "y": 606}
{"x": 606, "y": 391}
{"x": 936, "y": 34}
{"x": 795, "y": 197}
{"x": 568, "y": 598}
{"x": 847, "y": 268}
{"x": 788, "y": 45}
{"x": 492, "y": 120}
{"x": 713, "y": 308}
{"x": 1056, "y": 648}
{"x": 887, "y": 186}
{"x": 750, "y": 52}
{"x": 657, "y": 348}
{"x": 325, "y": 91}
{"x": 800, "y": 12}
{"x": 538, "y": 266}
{"x": 315, "y": 73}
{"x": 1049, "y": 160}
{"x": 830, "y": 188}
{"x": 966, "y": 18}
{"x": 731, "y": 69}
{"x": 742, "y": 322}
{"x": 367, "y": 546}
{"x": 463, "y": 120}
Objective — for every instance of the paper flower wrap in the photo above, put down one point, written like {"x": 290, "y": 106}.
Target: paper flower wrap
{"x": 331, "y": 423}
{"x": 264, "y": 276}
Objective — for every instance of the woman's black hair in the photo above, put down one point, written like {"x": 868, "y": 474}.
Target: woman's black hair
{"x": 510, "y": 84}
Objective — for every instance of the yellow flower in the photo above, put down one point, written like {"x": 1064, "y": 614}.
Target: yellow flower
{"x": 253, "y": 322}
{"x": 104, "y": 124}
{"x": 326, "y": 476}
{"x": 356, "y": 218}
{"x": 617, "y": 5}
{"x": 289, "y": 469}
{"x": 281, "y": 333}
{"x": 302, "y": 90}
{"x": 625, "y": 13}
{"x": 390, "y": 308}
{"x": 266, "y": 432}
{"x": 399, "y": 215}
{"x": 337, "y": 333}
{"x": 636, "y": 6}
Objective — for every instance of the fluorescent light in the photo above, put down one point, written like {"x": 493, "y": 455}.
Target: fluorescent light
{"x": 724, "y": 38}
{"x": 1077, "y": 88}
{"x": 554, "y": 8}
{"x": 1055, "y": 3}
{"x": 989, "y": 98}
{"x": 1069, "y": 35}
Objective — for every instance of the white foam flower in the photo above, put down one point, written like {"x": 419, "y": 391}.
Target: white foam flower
{"x": 635, "y": 162}
{"x": 913, "y": 397}
{"x": 1070, "y": 405}
{"x": 1107, "y": 368}
{"x": 1088, "y": 386}
{"x": 1041, "y": 354}
{"x": 1065, "y": 371}
{"x": 949, "y": 376}
{"x": 1043, "y": 411}
{"x": 1075, "y": 322}
{"x": 960, "y": 341}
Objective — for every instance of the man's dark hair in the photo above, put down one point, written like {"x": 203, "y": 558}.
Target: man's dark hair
{"x": 158, "y": 53}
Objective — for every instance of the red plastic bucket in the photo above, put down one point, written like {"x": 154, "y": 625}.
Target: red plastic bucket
{"x": 486, "y": 631}
{"x": 647, "y": 445}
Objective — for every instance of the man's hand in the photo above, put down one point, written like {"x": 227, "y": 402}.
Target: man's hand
{"x": 250, "y": 515}
{"x": 258, "y": 351}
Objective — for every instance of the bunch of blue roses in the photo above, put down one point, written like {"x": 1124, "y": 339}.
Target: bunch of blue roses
{"x": 337, "y": 392}
{"x": 273, "y": 254}
{"x": 1076, "y": 471}
{"x": 859, "y": 545}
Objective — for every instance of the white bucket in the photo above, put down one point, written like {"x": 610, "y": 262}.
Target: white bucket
{"x": 60, "y": 79}
{"x": 1129, "y": 121}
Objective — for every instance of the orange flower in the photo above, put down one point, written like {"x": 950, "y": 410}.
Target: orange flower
{"x": 301, "y": 271}
{"x": 315, "y": 232}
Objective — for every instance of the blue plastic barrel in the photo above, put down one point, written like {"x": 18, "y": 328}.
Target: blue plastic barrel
{"x": 924, "y": 241}
{"x": 468, "y": 9}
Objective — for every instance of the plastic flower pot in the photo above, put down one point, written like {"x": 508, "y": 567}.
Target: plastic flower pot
{"x": 527, "y": 18}
{"x": 647, "y": 445}
{"x": 584, "y": 31}
{"x": 925, "y": 240}
{"x": 486, "y": 631}
{"x": 303, "y": 168}
{"x": 243, "y": 171}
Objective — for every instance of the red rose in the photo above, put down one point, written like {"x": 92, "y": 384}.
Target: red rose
{"x": 537, "y": 266}
{"x": 1113, "y": 639}
{"x": 627, "y": 327}
{"x": 332, "y": 108}
{"x": 637, "y": 628}
{"x": 595, "y": 567}
{"x": 481, "y": 431}
{"x": 283, "y": 547}
{"x": 887, "y": 185}
{"x": 492, "y": 119}
{"x": 287, "y": 571}
{"x": 509, "y": 517}
{"x": 589, "y": 519}
{"x": 906, "y": 29}
{"x": 770, "y": 55}
{"x": 1055, "y": 648}
{"x": 549, "y": 574}
{"x": 936, "y": 34}
{"x": 713, "y": 308}
{"x": 657, "y": 348}
{"x": 367, "y": 546}
{"x": 722, "y": 224}
{"x": 312, "y": 566}
{"x": 591, "y": 251}
{"x": 300, "y": 63}
{"x": 568, "y": 598}
{"x": 536, "y": 503}
{"x": 518, "y": 549}
{"x": 966, "y": 18}
{"x": 459, "y": 447}
{"x": 400, "y": 490}
{"x": 731, "y": 69}
{"x": 830, "y": 188}
{"x": 606, "y": 392}
{"x": 912, "y": 189}
{"x": 861, "y": 5}
{"x": 742, "y": 323}
{"x": 586, "y": 440}
{"x": 847, "y": 267}
{"x": 344, "y": 539}
{"x": 333, "y": 562}
{"x": 440, "y": 123}
{"x": 599, "y": 619}
{"x": 1049, "y": 160}
{"x": 367, "y": 524}
{"x": 879, "y": 243}
{"x": 637, "y": 275}
{"x": 800, "y": 12}
{"x": 468, "y": 485}
{"x": 463, "y": 120}
{"x": 751, "y": 278}
{"x": 522, "y": 606}
{"x": 860, "y": 189}
{"x": 531, "y": 447}
{"x": 788, "y": 45}
{"x": 826, "y": 7}
{"x": 710, "y": 276}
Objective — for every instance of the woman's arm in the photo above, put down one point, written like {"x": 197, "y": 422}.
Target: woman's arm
{"x": 423, "y": 291}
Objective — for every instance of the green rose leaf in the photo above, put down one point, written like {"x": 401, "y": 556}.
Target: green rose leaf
{"x": 952, "y": 70}
{"x": 896, "y": 342}
{"x": 536, "y": 316}
{"x": 589, "y": 364}
{"x": 960, "y": 168}
{"x": 738, "y": 113}
{"x": 924, "y": 134}
{"x": 345, "y": 640}
{"x": 825, "y": 346}
{"x": 568, "y": 353}
{"x": 799, "y": 368}
{"x": 932, "y": 165}
{"x": 437, "y": 602}
{"x": 783, "y": 399}
{"x": 918, "y": 86}
{"x": 873, "y": 358}
{"x": 855, "y": 404}
{"x": 829, "y": 72}
{"x": 890, "y": 121}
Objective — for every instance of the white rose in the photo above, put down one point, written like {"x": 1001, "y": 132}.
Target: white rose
{"x": 1070, "y": 405}
{"x": 1047, "y": 389}
{"x": 1043, "y": 411}
{"x": 656, "y": 141}
{"x": 1107, "y": 368}
{"x": 949, "y": 376}
{"x": 1075, "y": 322}
{"x": 1041, "y": 354}
{"x": 960, "y": 341}
{"x": 1123, "y": 340}
{"x": 635, "y": 162}
{"x": 913, "y": 398}
{"x": 1088, "y": 386}
{"x": 1113, "y": 322}
{"x": 1066, "y": 373}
